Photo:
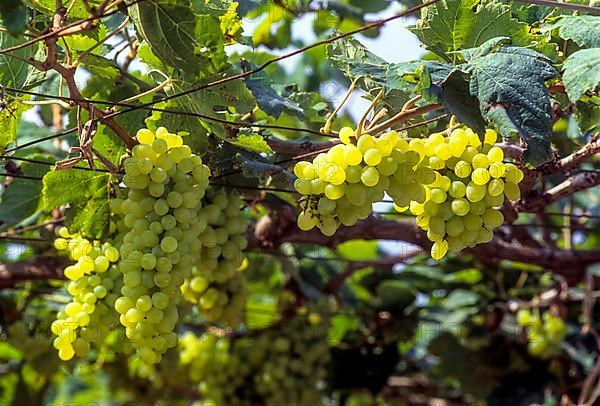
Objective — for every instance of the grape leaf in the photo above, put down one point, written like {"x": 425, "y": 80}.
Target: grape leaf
{"x": 270, "y": 101}
{"x": 581, "y": 72}
{"x": 584, "y": 30}
{"x": 356, "y": 62}
{"x": 453, "y": 93}
{"x": 21, "y": 197}
{"x": 87, "y": 194}
{"x": 76, "y": 7}
{"x": 10, "y": 118}
{"x": 451, "y": 25}
{"x": 14, "y": 72}
{"x": 14, "y": 16}
{"x": 509, "y": 83}
{"x": 181, "y": 38}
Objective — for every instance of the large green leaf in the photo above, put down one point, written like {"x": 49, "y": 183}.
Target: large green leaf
{"x": 453, "y": 93}
{"x": 451, "y": 25}
{"x": 509, "y": 83}
{"x": 21, "y": 197}
{"x": 14, "y": 72}
{"x": 583, "y": 30}
{"x": 581, "y": 72}
{"x": 180, "y": 37}
{"x": 87, "y": 194}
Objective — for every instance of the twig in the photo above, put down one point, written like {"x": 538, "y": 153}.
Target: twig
{"x": 571, "y": 185}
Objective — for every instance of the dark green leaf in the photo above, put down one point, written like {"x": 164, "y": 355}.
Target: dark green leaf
{"x": 509, "y": 83}
{"x": 14, "y": 16}
{"x": 395, "y": 296}
{"x": 270, "y": 101}
{"x": 181, "y": 38}
{"x": 581, "y": 72}
{"x": 453, "y": 93}
{"x": 13, "y": 71}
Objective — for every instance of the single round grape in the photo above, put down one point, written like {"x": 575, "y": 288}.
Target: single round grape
{"x": 306, "y": 221}
{"x": 460, "y": 206}
{"x": 369, "y": 176}
{"x": 480, "y": 176}
{"x": 439, "y": 249}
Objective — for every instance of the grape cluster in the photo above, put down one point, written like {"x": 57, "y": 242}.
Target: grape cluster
{"x": 172, "y": 237}
{"x": 278, "y": 366}
{"x": 202, "y": 356}
{"x": 544, "y": 333}
{"x": 340, "y": 186}
{"x": 461, "y": 208}
{"x": 94, "y": 282}
{"x": 159, "y": 224}
{"x": 217, "y": 280}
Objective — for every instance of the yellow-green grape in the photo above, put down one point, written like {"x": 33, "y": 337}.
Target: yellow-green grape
{"x": 461, "y": 205}
{"x": 217, "y": 281}
{"x": 94, "y": 282}
{"x": 544, "y": 333}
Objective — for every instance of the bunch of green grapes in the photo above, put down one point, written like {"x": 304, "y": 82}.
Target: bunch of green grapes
{"x": 217, "y": 280}
{"x": 461, "y": 208}
{"x": 94, "y": 284}
{"x": 280, "y": 366}
{"x": 340, "y": 186}
{"x": 159, "y": 228}
{"x": 202, "y": 355}
{"x": 544, "y": 333}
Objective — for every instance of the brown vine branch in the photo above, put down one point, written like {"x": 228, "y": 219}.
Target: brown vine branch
{"x": 571, "y": 185}
{"x": 68, "y": 74}
{"x": 569, "y": 263}
{"x": 33, "y": 269}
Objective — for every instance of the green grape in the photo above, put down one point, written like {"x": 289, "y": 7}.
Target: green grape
{"x": 249, "y": 372}
{"x": 462, "y": 169}
{"x": 493, "y": 218}
{"x": 457, "y": 189}
{"x": 496, "y": 187}
{"x": 460, "y": 206}
{"x": 475, "y": 192}
{"x": 480, "y": 176}
{"x": 512, "y": 191}
{"x": 439, "y": 249}
{"x": 372, "y": 157}
{"x": 454, "y": 226}
{"x": 369, "y": 176}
